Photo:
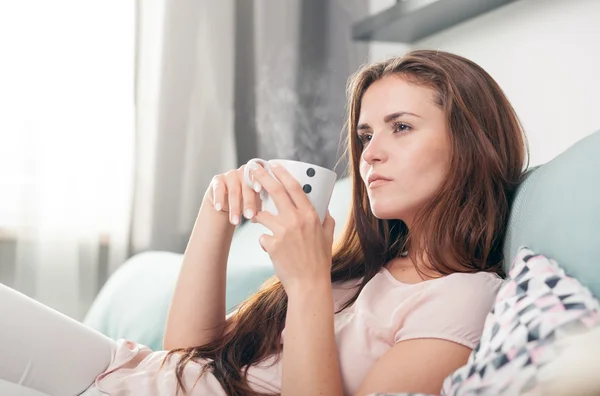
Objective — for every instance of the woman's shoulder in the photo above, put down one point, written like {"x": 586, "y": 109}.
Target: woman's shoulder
{"x": 453, "y": 307}
{"x": 477, "y": 289}
{"x": 483, "y": 281}
{"x": 457, "y": 282}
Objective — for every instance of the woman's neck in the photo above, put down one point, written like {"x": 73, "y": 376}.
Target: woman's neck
{"x": 405, "y": 267}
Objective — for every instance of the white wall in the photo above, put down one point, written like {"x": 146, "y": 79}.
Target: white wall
{"x": 545, "y": 54}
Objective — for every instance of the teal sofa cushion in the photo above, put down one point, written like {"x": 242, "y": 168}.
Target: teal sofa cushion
{"x": 556, "y": 211}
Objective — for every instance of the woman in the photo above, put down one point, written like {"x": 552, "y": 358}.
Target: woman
{"x": 435, "y": 153}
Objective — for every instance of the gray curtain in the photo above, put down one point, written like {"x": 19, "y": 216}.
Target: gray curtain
{"x": 222, "y": 82}
{"x": 184, "y": 115}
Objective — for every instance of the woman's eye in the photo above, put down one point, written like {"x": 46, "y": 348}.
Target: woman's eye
{"x": 364, "y": 138}
{"x": 401, "y": 127}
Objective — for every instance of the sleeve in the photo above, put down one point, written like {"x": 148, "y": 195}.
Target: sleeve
{"x": 454, "y": 309}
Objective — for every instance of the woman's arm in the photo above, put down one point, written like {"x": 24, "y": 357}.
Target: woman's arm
{"x": 300, "y": 249}
{"x": 310, "y": 358}
{"x": 197, "y": 312}
{"x": 417, "y": 366}
{"x": 437, "y": 337}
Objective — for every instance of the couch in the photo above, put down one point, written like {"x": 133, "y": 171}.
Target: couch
{"x": 556, "y": 211}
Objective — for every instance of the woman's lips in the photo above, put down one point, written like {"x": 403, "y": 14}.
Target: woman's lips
{"x": 378, "y": 183}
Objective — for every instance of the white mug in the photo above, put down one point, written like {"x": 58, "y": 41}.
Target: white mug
{"x": 316, "y": 181}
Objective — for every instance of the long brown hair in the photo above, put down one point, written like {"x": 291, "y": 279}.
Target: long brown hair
{"x": 462, "y": 227}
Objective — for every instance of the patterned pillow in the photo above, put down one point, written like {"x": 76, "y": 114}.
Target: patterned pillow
{"x": 536, "y": 308}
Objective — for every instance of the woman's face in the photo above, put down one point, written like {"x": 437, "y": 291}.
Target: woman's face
{"x": 405, "y": 144}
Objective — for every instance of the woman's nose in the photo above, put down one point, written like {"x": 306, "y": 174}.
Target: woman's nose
{"x": 374, "y": 151}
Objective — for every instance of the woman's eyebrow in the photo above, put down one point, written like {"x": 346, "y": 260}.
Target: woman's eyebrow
{"x": 388, "y": 118}
{"x": 393, "y": 116}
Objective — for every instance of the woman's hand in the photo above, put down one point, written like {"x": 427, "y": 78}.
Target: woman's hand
{"x": 300, "y": 247}
{"x": 228, "y": 192}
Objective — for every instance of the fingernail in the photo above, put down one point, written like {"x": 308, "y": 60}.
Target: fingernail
{"x": 218, "y": 207}
{"x": 249, "y": 213}
{"x": 257, "y": 187}
{"x": 235, "y": 220}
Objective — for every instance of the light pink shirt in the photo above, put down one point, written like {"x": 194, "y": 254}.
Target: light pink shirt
{"x": 386, "y": 312}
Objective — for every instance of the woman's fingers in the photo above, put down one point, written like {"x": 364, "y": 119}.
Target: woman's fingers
{"x": 250, "y": 198}
{"x": 293, "y": 187}
{"x": 329, "y": 225}
{"x": 231, "y": 194}
{"x": 234, "y": 196}
{"x": 277, "y": 192}
{"x": 265, "y": 241}
{"x": 268, "y": 220}
{"x": 219, "y": 192}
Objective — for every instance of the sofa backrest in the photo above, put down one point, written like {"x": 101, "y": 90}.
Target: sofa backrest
{"x": 556, "y": 212}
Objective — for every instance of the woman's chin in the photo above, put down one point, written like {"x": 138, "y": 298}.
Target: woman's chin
{"x": 385, "y": 213}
